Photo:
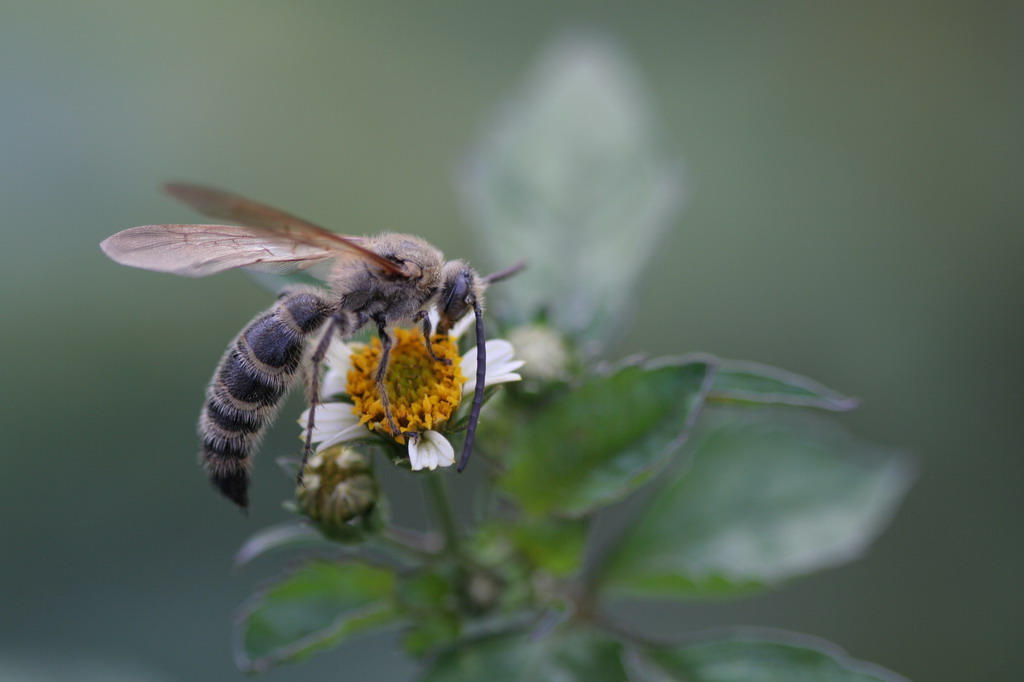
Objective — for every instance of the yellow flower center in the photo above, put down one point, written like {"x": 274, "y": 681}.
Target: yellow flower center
{"x": 423, "y": 391}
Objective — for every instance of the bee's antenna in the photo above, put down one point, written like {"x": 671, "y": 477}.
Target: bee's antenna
{"x": 478, "y": 393}
{"x": 504, "y": 274}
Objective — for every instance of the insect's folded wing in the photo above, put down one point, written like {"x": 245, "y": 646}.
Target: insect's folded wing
{"x": 199, "y": 250}
{"x": 222, "y": 205}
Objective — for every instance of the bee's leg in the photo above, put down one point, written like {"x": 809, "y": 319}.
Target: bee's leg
{"x": 382, "y": 370}
{"x": 428, "y": 329}
{"x": 343, "y": 325}
{"x": 313, "y": 387}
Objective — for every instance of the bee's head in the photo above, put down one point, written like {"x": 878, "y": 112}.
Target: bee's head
{"x": 461, "y": 291}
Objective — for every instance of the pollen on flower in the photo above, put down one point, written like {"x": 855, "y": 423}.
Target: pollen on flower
{"x": 424, "y": 393}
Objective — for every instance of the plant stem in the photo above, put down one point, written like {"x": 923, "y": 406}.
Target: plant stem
{"x": 424, "y": 544}
{"x": 438, "y": 495}
{"x": 407, "y": 546}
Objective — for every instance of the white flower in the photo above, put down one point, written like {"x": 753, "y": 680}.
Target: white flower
{"x": 429, "y": 451}
{"x": 336, "y": 422}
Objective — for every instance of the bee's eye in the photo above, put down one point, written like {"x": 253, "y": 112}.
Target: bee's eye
{"x": 453, "y": 303}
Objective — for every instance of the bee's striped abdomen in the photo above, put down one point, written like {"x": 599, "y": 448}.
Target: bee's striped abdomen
{"x": 252, "y": 378}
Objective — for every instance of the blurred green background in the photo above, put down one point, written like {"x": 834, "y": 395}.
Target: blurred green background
{"x": 856, "y": 213}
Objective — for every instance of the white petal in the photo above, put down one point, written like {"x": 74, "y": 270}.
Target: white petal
{"x": 335, "y": 423}
{"x": 500, "y": 366}
{"x": 497, "y": 379}
{"x": 499, "y": 350}
{"x": 339, "y": 355}
{"x": 334, "y": 414}
{"x": 335, "y": 383}
{"x": 353, "y": 432}
{"x": 430, "y": 450}
{"x": 339, "y": 362}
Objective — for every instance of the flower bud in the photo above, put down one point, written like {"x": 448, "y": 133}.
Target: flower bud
{"x": 544, "y": 350}
{"x": 337, "y": 486}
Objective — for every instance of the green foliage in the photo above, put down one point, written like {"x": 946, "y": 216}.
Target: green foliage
{"x": 588, "y": 654}
{"x": 758, "y": 658}
{"x": 317, "y": 607}
{"x": 764, "y": 498}
{"x": 429, "y": 600}
{"x": 735, "y": 478}
{"x": 750, "y": 383}
{"x": 578, "y": 654}
{"x": 552, "y": 545}
{"x": 574, "y": 176}
{"x": 595, "y": 444}
{"x": 284, "y": 536}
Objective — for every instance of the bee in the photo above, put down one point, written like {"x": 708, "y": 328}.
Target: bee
{"x": 387, "y": 280}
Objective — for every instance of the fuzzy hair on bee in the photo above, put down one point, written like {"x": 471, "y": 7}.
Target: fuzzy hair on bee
{"x": 387, "y": 280}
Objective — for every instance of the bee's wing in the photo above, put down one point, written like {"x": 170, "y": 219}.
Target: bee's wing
{"x": 198, "y": 250}
{"x": 237, "y": 209}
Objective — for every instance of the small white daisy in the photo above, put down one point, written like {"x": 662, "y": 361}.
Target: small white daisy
{"x": 424, "y": 393}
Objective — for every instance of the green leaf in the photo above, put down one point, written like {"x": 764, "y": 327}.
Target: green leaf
{"x": 554, "y": 545}
{"x": 424, "y": 592}
{"x": 500, "y": 579}
{"x": 759, "y": 657}
{"x": 572, "y": 177}
{"x": 287, "y": 535}
{"x": 563, "y": 657}
{"x": 432, "y": 631}
{"x": 593, "y": 445}
{"x": 319, "y": 606}
{"x": 762, "y": 500}
{"x": 741, "y": 382}
{"x": 428, "y": 602}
